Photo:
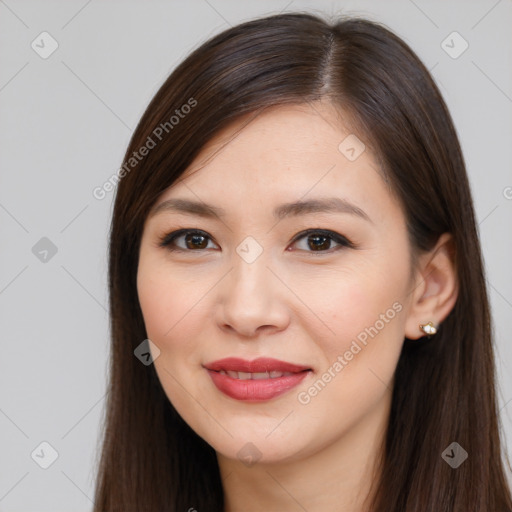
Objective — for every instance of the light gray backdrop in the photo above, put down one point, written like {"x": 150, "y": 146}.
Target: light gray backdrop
{"x": 67, "y": 113}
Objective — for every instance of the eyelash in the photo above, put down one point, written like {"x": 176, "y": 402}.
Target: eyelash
{"x": 168, "y": 240}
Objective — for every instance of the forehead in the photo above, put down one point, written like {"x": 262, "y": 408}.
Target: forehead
{"x": 281, "y": 154}
{"x": 286, "y": 133}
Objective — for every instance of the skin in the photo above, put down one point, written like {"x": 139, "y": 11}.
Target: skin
{"x": 292, "y": 303}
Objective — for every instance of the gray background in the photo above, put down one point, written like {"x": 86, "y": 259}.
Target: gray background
{"x": 64, "y": 125}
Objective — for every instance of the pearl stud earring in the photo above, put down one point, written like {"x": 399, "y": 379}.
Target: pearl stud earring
{"x": 428, "y": 329}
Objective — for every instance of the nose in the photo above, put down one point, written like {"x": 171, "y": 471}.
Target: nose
{"x": 251, "y": 299}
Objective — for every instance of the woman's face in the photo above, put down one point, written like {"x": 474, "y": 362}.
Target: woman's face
{"x": 248, "y": 282}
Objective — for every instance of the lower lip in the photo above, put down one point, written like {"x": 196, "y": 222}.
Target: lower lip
{"x": 255, "y": 390}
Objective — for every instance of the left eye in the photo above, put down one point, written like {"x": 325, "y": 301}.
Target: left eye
{"x": 318, "y": 240}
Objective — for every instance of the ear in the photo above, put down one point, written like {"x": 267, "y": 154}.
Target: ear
{"x": 435, "y": 287}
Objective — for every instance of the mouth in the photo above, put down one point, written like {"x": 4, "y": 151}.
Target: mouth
{"x": 255, "y": 381}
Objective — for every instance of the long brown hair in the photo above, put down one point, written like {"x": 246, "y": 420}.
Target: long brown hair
{"x": 444, "y": 388}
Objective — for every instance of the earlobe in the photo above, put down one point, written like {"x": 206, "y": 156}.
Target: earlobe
{"x": 435, "y": 290}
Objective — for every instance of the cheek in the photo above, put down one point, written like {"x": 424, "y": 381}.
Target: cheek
{"x": 163, "y": 301}
{"x": 169, "y": 310}
{"x": 173, "y": 310}
{"x": 154, "y": 297}
{"x": 359, "y": 360}
{"x": 366, "y": 316}
{"x": 355, "y": 304}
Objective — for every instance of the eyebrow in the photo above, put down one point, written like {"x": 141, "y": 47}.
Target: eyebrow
{"x": 296, "y": 208}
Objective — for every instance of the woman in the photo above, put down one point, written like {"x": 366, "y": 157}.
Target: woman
{"x": 298, "y": 304}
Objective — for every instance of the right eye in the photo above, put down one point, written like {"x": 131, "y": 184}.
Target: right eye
{"x": 193, "y": 240}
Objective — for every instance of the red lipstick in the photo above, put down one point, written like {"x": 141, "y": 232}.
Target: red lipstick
{"x": 258, "y": 380}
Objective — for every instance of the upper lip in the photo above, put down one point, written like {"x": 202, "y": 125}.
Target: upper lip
{"x": 260, "y": 365}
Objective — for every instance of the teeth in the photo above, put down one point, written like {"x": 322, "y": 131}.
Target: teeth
{"x": 254, "y": 376}
{"x": 263, "y": 375}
